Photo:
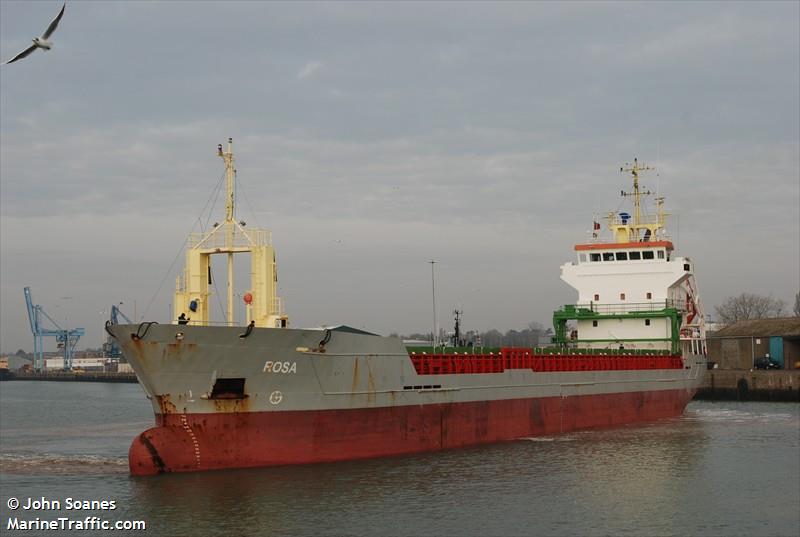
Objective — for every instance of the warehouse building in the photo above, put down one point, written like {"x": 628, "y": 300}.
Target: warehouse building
{"x": 742, "y": 344}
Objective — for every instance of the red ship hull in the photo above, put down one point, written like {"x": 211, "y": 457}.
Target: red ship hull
{"x": 192, "y": 442}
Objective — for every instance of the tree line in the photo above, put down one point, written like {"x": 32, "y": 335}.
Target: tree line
{"x": 748, "y": 306}
{"x": 743, "y": 307}
{"x": 533, "y": 335}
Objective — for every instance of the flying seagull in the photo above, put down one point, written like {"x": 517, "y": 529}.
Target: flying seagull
{"x": 41, "y": 42}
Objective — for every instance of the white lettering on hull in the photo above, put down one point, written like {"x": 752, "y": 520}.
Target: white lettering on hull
{"x": 280, "y": 367}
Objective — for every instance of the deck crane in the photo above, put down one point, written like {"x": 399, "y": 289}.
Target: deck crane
{"x": 111, "y": 347}
{"x": 66, "y": 339}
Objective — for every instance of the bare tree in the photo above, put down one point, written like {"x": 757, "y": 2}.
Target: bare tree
{"x": 492, "y": 338}
{"x": 749, "y": 306}
{"x": 527, "y": 337}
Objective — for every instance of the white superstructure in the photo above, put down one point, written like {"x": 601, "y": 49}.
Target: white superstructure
{"x": 633, "y": 291}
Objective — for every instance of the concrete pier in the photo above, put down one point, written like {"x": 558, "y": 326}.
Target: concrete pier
{"x": 745, "y": 385}
{"x": 76, "y": 376}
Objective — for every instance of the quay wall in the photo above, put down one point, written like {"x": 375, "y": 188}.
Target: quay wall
{"x": 746, "y": 385}
{"x": 75, "y": 376}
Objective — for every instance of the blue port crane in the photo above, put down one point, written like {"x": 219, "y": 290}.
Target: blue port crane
{"x": 111, "y": 347}
{"x": 116, "y": 313}
{"x": 65, "y": 338}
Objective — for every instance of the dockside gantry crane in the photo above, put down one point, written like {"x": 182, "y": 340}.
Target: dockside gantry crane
{"x": 65, "y": 338}
{"x": 111, "y": 347}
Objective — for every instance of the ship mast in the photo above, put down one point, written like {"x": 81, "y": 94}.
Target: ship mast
{"x": 629, "y": 228}
{"x": 263, "y": 308}
{"x": 637, "y": 196}
{"x": 230, "y": 173}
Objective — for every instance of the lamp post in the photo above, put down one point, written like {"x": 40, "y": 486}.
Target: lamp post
{"x": 435, "y": 339}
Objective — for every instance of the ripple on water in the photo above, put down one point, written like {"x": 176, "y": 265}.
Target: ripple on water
{"x": 57, "y": 464}
{"x": 558, "y": 438}
{"x": 737, "y": 416}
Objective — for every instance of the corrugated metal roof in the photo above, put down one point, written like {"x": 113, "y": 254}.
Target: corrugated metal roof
{"x": 779, "y": 326}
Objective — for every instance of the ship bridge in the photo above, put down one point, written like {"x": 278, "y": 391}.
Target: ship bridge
{"x": 633, "y": 291}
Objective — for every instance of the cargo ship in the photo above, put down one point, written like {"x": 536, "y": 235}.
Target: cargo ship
{"x": 259, "y": 392}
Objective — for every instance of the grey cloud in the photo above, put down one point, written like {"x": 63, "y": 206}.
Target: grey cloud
{"x": 485, "y": 135}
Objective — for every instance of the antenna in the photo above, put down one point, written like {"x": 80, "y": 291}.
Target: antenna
{"x": 457, "y": 329}
{"x": 227, "y": 156}
{"x": 658, "y": 167}
{"x": 637, "y": 195}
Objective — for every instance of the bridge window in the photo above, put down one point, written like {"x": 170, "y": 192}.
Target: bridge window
{"x": 594, "y": 257}
{"x": 608, "y": 256}
{"x": 635, "y": 256}
{"x": 622, "y": 256}
{"x": 647, "y": 254}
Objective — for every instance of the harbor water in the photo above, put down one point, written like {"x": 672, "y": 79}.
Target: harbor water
{"x": 720, "y": 469}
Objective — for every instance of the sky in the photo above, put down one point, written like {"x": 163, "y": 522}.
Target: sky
{"x": 374, "y": 137}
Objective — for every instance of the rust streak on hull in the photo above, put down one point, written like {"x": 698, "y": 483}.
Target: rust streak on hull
{"x": 298, "y": 437}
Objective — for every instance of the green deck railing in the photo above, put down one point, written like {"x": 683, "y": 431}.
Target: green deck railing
{"x": 571, "y": 312}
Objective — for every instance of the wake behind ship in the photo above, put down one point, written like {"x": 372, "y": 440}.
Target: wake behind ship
{"x": 632, "y": 349}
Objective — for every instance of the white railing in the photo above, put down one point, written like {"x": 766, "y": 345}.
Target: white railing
{"x": 223, "y": 238}
{"x": 629, "y": 307}
{"x": 611, "y": 241}
{"x": 643, "y": 220}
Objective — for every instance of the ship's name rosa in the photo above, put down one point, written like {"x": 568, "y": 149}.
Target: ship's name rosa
{"x": 280, "y": 367}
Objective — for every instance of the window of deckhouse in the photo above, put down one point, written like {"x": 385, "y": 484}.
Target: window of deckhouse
{"x": 622, "y": 256}
{"x": 594, "y": 257}
{"x": 661, "y": 254}
{"x": 635, "y": 256}
{"x": 608, "y": 256}
{"x": 647, "y": 254}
